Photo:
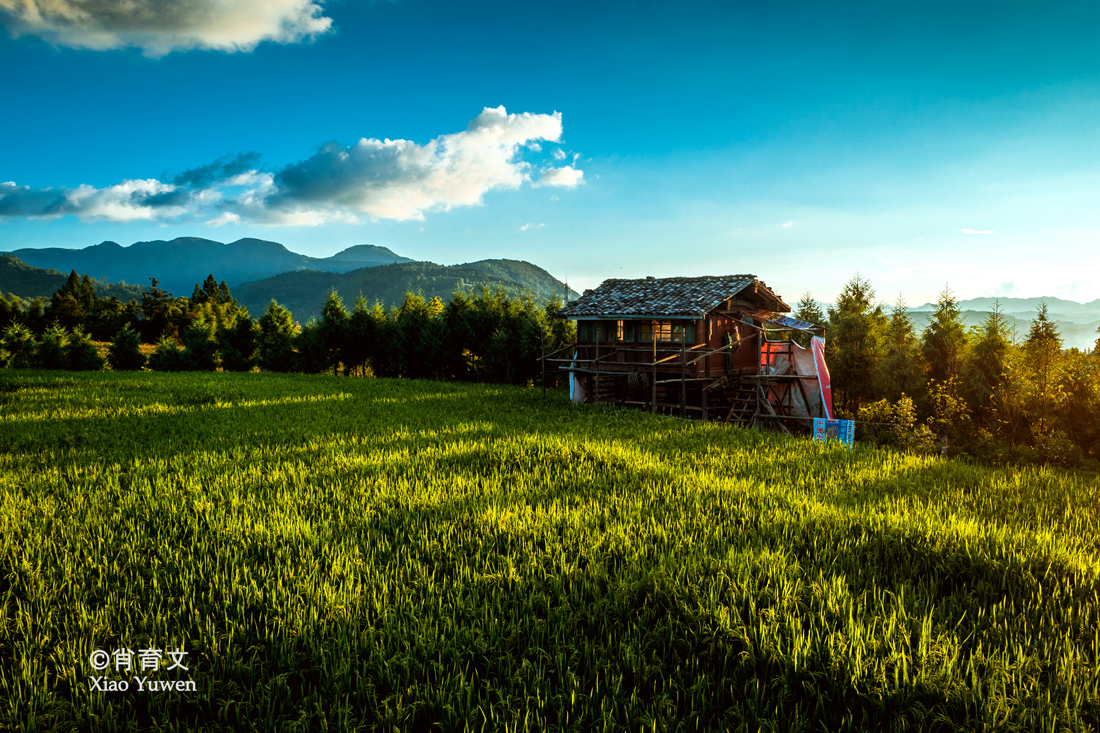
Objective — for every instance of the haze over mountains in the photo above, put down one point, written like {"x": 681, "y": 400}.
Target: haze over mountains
{"x": 1077, "y": 322}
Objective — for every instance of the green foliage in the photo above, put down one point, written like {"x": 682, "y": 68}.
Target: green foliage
{"x": 125, "y": 352}
{"x": 333, "y": 331}
{"x": 200, "y": 349}
{"x": 413, "y": 555}
{"x": 312, "y": 354}
{"x": 18, "y": 349}
{"x": 944, "y": 341}
{"x": 984, "y": 372}
{"x": 904, "y": 432}
{"x": 901, "y": 372}
{"x": 240, "y": 345}
{"x": 1043, "y": 348}
{"x": 304, "y": 291}
{"x": 167, "y": 356}
{"x": 949, "y": 411}
{"x": 52, "y": 352}
{"x": 809, "y": 310}
{"x": 81, "y": 354}
{"x": 854, "y": 350}
{"x": 277, "y": 334}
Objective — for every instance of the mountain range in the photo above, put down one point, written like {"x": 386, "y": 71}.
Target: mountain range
{"x": 258, "y": 271}
{"x": 180, "y": 263}
{"x": 1077, "y": 322}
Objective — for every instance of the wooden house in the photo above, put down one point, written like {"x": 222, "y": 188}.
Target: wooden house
{"x": 712, "y": 347}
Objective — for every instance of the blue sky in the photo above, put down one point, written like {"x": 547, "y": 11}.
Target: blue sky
{"x": 921, "y": 144}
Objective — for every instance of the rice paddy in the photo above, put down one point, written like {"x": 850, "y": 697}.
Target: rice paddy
{"x": 369, "y": 554}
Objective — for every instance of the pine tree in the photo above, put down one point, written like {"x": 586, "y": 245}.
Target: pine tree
{"x": 167, "y": 356}
{"x": 277, "y": 335}
{"x": 51, "y": 352}
{"x": 240, "y": 345}
{"x": 360, "y": 333}
{"x": 944, "y": 341}
{"x": 81, "y": 354}
{"x": 902, "y": 372}
{"x": 334, "y": 331}
{"x": 125, "y": 352}
{"x": 809, "y": 310}
{"x": 854, "y": 351}
{"x": 1043, "y": 348}
{"x": 200, "y": 350}
{"x": 983, "y": 374}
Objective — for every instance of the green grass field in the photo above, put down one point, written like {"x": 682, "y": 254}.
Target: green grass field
{"x": 338, "y": 554}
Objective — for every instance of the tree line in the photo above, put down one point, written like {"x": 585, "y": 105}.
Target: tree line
{"x": 977, "y": 391}
{"x": 489, "y": 336}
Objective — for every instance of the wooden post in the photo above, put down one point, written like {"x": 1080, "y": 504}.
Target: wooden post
{"x": 596, "y": 396}
{"x": 543, "y": 364}
{"x": 653, "y": 336}
{"x": 683, "y": 377}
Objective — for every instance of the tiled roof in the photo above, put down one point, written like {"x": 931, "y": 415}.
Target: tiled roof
{"x": 666, "y": 296}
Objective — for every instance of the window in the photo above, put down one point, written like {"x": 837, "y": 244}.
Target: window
{"x": 667, "y": 331}
{"x": 627, "y": 330}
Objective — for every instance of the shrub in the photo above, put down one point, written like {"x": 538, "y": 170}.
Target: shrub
{"x": 52, "y": 350}
{"x": 81, "y": 354}
{"x": 125, "y": 353}
{"x": 167, "y": 356}
{"x": 18, "y": 349}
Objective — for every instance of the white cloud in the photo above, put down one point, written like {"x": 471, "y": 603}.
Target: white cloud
{"x": 226, "y": 217}
{"x": 559, "y": 154}
{"x": 787, "y": 224}
{"x": 398, "y": 179}
{"x": 976, "y": 231}
{"x": 529, "y": 225}
{"x": 566, "y": 176}
{"x": 130, "y": 200}
{"x": 378, "y": 179}
{"x": 159, "y": 27}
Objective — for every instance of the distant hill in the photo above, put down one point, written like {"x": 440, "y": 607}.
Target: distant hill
{"x": 19, "y": 278}
{"x": 1077, "y": 322}
{"x": 180, "y": 263}
{"x": 304, "y": 292}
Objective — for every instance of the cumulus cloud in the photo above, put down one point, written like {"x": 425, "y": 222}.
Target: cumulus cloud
{"x": 398, "y": 179}
{"x": 383, "y": 179}
{"x": 787, "y": 224}
{"x": 130, "y": 200}
{"x": 159, "y": 27}
{"x": 221, "y": 170}
{"x": 529, "y": 225}
{"x": 566, "y": 176}
{"x": 976, "y": 231}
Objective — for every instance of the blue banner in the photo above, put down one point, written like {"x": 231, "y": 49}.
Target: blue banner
{"x": 841, "y": 431}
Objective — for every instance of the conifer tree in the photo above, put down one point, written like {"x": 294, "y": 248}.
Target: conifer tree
{"x": 51, "y": 352}
{"x": 360, "y": 333}
{"x": 277, "y": 334}
{"x": 854, "y": 351}
{"x": 81, "y": 355}
{"x": 240, "y": 344}
{"x": 18, "y": 348}
{"x": 200, "y": 350}
{"x": 901, "y": 373}
{"x": 1043, "y": 348}
{"x": 125, "y": 352}
{"x": 944, "y": 341}
{"x": 983, "y": 375}
{"x": 334, "y": 331}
